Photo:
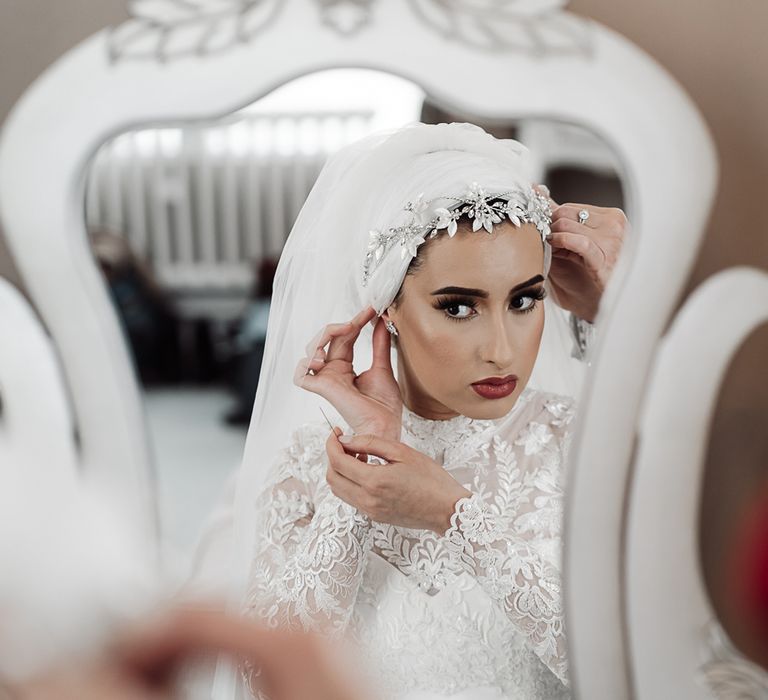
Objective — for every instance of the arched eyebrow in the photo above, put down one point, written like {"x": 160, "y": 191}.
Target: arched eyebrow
{"x": 482, "y": 293}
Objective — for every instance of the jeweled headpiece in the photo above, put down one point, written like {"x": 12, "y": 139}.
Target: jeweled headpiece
{"x": 520, "y": 206}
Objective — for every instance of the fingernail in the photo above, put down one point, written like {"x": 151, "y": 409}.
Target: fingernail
{"x": 345, "y": 438}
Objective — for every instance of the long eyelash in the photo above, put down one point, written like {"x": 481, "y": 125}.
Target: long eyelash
{"x": 443, "y": 303}
{"x": 537, "y": 295}
{"x": 448, "y": 302}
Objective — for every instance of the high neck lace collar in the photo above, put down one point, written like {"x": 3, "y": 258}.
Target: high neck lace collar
{"x": 434, "y": 436}
{"x": 418, "y": 426}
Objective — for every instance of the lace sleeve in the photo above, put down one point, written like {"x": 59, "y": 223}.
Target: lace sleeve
{"x": 508, "y": 539}
{"x": 310, "y": 548}
{"x": 511, "y": 571}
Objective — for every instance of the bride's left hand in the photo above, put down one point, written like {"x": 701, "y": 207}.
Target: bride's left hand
{"x": 584, "y": 254}
{"x": 412, "y": 490}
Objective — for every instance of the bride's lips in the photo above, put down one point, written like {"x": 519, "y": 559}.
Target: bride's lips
{"x": 495, "y": 387}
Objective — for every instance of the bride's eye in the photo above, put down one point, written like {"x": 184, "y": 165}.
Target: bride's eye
{"x": 527, "y": 302}
{"x": 457, "y": 309}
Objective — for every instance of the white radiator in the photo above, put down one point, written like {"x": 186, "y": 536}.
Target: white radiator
{"x": 204, "y": 203}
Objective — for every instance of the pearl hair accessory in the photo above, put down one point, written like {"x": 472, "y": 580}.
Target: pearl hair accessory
{"x": 486, "y": 209}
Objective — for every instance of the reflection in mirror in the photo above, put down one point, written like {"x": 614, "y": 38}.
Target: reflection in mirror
{"x": 188, "y": 221}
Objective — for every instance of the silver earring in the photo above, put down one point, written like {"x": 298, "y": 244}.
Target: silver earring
{"x": 391, "y": 327}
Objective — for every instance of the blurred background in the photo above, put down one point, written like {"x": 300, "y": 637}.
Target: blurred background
{"x": 187, "y": 223}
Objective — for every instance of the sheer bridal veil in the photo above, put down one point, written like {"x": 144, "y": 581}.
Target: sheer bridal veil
{"x": 319, "y": 281}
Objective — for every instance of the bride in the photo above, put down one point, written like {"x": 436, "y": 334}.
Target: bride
{"x": 425, "y": 531}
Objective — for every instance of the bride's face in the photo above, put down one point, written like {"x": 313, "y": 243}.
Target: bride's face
{"x": 471, "y": 310}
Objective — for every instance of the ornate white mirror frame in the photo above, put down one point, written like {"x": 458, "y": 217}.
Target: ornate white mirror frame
{"x": 665, "y": 585}
{"x": 177, "y": 61}
{"x": 24, "y": 416}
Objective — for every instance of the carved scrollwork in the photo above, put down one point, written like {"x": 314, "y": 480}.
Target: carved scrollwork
{"x": 537, "y": 27}
{"x": 346, "y": 16}
{"x": 162, "y": 30}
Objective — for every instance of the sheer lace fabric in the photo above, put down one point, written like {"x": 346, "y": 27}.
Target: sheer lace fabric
{"x": 477, "y": 608}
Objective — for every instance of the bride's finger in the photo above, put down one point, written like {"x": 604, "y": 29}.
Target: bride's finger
{"x": 319, "y": 382}
{"x": 314, "y": 383}
{"x": 300, "y": 373}
{"x": 583, "y": 246}
{"x": 342, "y": 344}
{"x": 570, "y": 212}
{"x": 316, "y": 364}
{"x": 382, "y": 347}
{"x": 390, "y": 450}
{"x": 362, "y": 317}
{"x": 344, "y": 462}
{"x": 326, "y": 335}
{"x": 336, "y": 330}
{"x": 306, "y": 363}
{"x": 567, "y": 255}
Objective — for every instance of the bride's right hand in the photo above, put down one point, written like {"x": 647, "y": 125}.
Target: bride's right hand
{"x": 369, "y": 402}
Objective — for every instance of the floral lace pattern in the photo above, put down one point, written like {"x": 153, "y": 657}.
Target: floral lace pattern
{"x": 479, "y": 607}
{"x": 311, "y": 552}
{"x": 513, "y": 573}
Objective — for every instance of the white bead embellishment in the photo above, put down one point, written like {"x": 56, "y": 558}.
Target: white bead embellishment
{"x": 520, "y": 206}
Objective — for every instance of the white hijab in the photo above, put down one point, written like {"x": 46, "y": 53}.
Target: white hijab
{"x": 319, "y": 281}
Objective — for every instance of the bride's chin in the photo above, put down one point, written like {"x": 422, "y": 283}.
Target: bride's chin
{"x": 479, "y": 408}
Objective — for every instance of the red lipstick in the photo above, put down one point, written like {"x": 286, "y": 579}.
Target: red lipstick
{"x": 495, "y": 387}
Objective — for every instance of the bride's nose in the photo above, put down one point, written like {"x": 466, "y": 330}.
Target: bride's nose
{"x": 498, "y": 344}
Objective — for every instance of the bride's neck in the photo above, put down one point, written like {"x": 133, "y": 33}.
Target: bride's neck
{"x": 416, "y": 399}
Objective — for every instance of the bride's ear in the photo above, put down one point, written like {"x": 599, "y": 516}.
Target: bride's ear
{"x": 389, "y": 321}
{"x": 390, "y": 315}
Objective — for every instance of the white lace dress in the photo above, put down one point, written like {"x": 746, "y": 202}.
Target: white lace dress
{"x": 475, "y": 613}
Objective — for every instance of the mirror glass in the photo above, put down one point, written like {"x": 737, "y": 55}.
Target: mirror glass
{"x": 187, "y": 223}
